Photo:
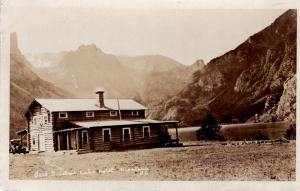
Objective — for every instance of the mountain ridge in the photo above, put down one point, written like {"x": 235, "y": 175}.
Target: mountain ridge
{"x": 25, "y": 85}
{"x": 137, "y": 73}
{"x": 239, "y": 83}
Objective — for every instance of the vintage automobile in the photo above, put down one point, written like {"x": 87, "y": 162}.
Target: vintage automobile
{"x": 16, "y": 147}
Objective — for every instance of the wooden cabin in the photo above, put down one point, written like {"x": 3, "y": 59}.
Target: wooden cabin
{"x": 88, "y": 125}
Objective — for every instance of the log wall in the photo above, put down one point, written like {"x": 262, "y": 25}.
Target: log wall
{"x": 38, "y": 126}
{"x": 137, "y": 140}
{"x": 59, "y": 123}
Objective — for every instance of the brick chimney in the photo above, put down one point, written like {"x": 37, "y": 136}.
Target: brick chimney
{"x": 100, "y": 93}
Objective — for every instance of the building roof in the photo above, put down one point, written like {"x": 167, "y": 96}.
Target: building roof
{"x": 89, "y": 124}
{"x": 110, "y": 123}
{"x": 22, "y": 132}
{"x": 89, "y": 104}
{"x": 154, "y": 121}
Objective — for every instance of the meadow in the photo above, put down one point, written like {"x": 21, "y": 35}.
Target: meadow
{"x": 195, "y": 161}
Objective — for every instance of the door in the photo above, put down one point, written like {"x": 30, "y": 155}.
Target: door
{"x": 41, "y": 142}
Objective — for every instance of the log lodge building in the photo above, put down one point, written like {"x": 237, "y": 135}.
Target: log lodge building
{"x": 88, "y": 125}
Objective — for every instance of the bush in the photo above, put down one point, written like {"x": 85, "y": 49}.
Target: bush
{"x": 209, "y": 129}
{"x": 290, "y": 133}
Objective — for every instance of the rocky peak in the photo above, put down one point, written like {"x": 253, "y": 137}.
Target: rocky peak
{"x": 89, "y": 48}
{"x": 14, "y": 49}
{"x": 198, "y": 65}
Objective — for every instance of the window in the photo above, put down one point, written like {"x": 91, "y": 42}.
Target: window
{"x": 126, "y": 133}
{"x": 113, "y": 113}
{"x": 106, "y": 133}
{"x": 146, "y": 131}
{"x": 90, "y": 114}
{"x": 135, "y": 113}
{"x": 63, "y": 115}
{"x": 49, "y": 116}
{"x": 33, "y": 140}
{"x": 84, "y": 137}
{"x": 45, "y": 119}
{"x": 34, "y": 120}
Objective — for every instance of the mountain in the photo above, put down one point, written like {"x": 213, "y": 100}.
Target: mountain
{"x": 162, "y": 77}
{"x": 147, "y": 78}
{"x": 48, "y": 59}
{"x": 24, "y": 86}
{"x": 150, "y": 63}
{"x": 88, "y": 67}
{"x": 256, "y": 77}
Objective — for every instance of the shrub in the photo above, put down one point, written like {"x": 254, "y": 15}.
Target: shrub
{"x": 209, "y": 129}
{"x": 290, "y": 133}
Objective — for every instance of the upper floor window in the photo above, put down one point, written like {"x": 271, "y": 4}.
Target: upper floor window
{"x": 106, "y": 133}
{"x": 126, "y": 133}
{"x": 34, "y": 120}
{"x": 134, "y": 112}
{"x": 90, "y": 114}
{"x": 113, "y": 113}
{"x": 45, "y": 119}
{"x": 63, "y": 115}
{"x": 146, "y": 131}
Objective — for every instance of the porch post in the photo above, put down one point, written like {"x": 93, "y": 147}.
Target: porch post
{"x": 68, "y": 144}
{"x": 77, "y": 140}
{"x": 27, "y": 137}
{"x": 21, "y": 137}
{"x": 89, "y": 139}
{"x": 27, "y": 141}
{"x": 121, "y": 137}
{"x": 177, "y": 139}
{"x": 58, "y": 142}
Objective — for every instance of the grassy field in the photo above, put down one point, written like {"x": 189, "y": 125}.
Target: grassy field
{"x": 199, "y": 161}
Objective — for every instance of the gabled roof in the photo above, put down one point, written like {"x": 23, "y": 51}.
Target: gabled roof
{"x": 88, "y": 104}
{"x": 22, "y": 132}
{"x": 125, "y": 104}
{"x": 113, "y": 123}
{"x": 154, "y": 121}
{"x": 89, "y": 124}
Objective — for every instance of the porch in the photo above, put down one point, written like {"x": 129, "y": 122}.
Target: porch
{"x": 114, "y": 135}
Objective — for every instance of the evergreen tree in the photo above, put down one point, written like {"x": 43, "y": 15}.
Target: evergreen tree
{"x": 209, "y": 129}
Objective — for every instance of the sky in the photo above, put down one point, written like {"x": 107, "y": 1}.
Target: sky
{"x": 183, "y": 34}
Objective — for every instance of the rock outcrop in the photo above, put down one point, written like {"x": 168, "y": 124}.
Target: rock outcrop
{"x": 254, "y": 78}
{"x": 25, "y": 85}
{"x": 286, "y": 109}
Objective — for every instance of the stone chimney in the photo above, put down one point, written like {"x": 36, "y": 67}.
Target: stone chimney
{"x": 100, "y": 93}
